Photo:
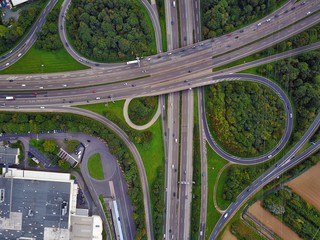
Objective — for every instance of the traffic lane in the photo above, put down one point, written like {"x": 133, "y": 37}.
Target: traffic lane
{"x": 78, "y": 75}
{"x": 310, "y": 6}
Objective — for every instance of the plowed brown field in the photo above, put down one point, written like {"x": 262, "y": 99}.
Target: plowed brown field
{"x": 307, "y": 185}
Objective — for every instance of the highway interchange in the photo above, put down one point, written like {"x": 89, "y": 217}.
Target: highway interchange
{"x": 178, "y": 70}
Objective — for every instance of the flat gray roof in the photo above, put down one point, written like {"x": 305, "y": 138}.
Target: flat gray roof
{"x": 39, "y": 202}
{"x": 8, "y": 155}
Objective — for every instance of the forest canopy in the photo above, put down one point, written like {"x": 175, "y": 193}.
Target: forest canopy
{"x": 109, "y": 30}
{"x": 223, "y": 16}
{"x": 247, "y": 118}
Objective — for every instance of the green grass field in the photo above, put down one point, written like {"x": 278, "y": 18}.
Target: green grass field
{"x": 95, "y": 167}
{"x": 32, "y": 61}
{"x": 115, "y": 108}
{"x": 152, "y": 154}
{"x": 215, "y": 163}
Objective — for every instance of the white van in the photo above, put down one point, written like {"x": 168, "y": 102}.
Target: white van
{"x": 174, "y": 3}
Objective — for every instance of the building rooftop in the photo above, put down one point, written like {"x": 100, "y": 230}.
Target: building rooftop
{"x": 17, "y": 2}
{"x": 29, "y": 208}
{"x": 9, "y": 155}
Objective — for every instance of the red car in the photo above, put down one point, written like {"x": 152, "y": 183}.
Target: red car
{"x": 94, "y": 91}
{"x": 34, "y": 93}
{"x": 229, "y": 34}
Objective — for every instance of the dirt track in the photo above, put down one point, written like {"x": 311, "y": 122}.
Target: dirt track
{"x": 272, "y": 222}
{"x": 307, "y": 186}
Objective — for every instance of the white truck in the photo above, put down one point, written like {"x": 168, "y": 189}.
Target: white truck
{"x": 132, "y": 62}
{"x": 10, "y": 98}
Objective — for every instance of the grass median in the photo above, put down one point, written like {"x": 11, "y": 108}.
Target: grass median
{"x": 95, "y": 167}
{"x": 215, "y": 163}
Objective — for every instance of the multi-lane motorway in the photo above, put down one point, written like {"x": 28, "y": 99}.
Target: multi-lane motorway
{"x": 181, "y": 69}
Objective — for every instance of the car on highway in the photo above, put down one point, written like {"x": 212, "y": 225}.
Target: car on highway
{"x": 94, "y": 91}
{"x": 19, "y": 54}
{"x": 226, "y": 215}
{"x": 23, "y": 85}
{"x": 172, "y": 22}
{"x": 64, "y": 85}
{"x": 169, "y": 53}
{"x": 7, "y": 64}
{"x": 34, "y": 93}
{"x": 270, "y": 156}
{"x": 40, "y": 87}
{"x": 174, "y": 3}
{"x": 290, "y": 115}
{"x": 42, "y": 107}
{"x": 98, "y": 98}
{"x": 308, "y": 13}
{"x": 176, "y": 140}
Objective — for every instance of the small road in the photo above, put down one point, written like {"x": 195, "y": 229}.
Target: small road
{"x": 140, "y": 127}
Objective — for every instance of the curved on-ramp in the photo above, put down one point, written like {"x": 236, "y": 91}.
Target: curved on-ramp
{"x": 289, "y": 120}
{"x": 139, "y": 127}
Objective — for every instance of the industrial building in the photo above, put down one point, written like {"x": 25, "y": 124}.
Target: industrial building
{"x": 42, "y": 205}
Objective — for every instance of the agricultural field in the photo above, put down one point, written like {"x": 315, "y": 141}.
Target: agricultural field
{"x": 307, "y": 185}
{"x": 271, "y": 222}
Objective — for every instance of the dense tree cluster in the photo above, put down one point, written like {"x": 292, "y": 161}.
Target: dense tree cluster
{"x": 109, "y": 30}
{"x": 247, "y": 118}
{"x": 48, "y": 37}
{"x": 37, "y": 122}
{"x": 299, "y": 215}
{"x": 141, "y": 110}
{"x": 220, "y": 17}
{"x": 300, "y": 76}
{"x": 11, "y": 32}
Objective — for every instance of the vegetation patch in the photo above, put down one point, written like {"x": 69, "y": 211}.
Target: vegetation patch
{"x": 242, "y": 231}
{"x": 95, "y": 167}
{"x": 221, "y": 17}
{"x": 247, "y": 118}
{"x": 162, "y": 19}
{"x": 141, "y": 110}
{"x": 71, "y": 145}
{"x": 110, "y": 31}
